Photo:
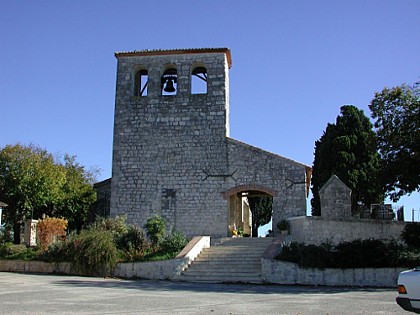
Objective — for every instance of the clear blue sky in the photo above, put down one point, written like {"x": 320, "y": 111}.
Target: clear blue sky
{"x": 295, "y": 63}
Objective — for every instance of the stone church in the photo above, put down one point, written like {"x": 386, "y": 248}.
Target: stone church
{"x": 172, "y": 154}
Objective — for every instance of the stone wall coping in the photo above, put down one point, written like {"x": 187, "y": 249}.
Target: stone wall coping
{"x": 194, "y": 247}
{"x": 160, "y": 52}
{"x": 350, "y": 220}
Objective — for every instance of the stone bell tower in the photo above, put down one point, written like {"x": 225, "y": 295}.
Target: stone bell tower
{"x": 170, "y": 128}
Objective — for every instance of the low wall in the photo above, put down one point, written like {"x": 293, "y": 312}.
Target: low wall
{"x": 315, "y": 230}
{"x": 281, "y": 272}
{"x": 166, "y": 269}
{"x": 36, "y": 267}
{"x": 159, "y": 270}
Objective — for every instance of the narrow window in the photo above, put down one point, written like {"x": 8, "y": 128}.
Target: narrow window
{"x": 169, "y": 82}
{"x": 141, "y": 80}
{"x": 199, "y": 81}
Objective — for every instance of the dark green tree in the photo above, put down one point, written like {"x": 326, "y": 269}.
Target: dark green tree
{"x": 396, "y": 112}
{"x": 261, "y": 210}
{"x": 348, "y": 150}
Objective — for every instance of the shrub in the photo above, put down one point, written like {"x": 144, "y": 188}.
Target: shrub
{"x": 360, "y": 254}
{"x": 58, "y": 251}
{"x": 305, "y": 255}
{"x": 20, "y": 251}
{"x": 5, "y": 234}
{"x": 133, "y": 244}
{"x": 356, "y": 254}
{"x": 94, "y": 252}
{"x": 173, "y": 243}
{"x": 155, "y": 228}
{"x": 49, "y": 229}
{"x": 411, "y": 234}
{"x": 116, "y": 226}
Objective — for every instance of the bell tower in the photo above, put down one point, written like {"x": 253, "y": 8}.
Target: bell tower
{"x": 170, "y": 128}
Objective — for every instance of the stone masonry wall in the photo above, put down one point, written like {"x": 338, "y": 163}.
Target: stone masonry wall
{"x": 164, "y": 144}
{"x": 285, "y": 178}
{"x": 335, "y": 199}
{"x": 315, "y": 230}
{"x": 172, "y": 155}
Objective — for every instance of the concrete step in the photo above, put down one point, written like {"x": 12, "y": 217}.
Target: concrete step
{"x": 224, "y": 269}
{"x": 228, "y": 260}
{"x": 224, "y": 279}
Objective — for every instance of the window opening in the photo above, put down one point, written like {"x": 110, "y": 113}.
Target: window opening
{"x": 169, "y": 82}
{"x": 199, "y": 81}
{"x": 141, "y": 80}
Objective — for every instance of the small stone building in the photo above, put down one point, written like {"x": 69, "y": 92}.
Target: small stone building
{"x": 335, "y": 199}
{"x": 172, "y": 154}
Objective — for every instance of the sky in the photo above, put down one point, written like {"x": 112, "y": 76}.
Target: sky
{"x": 294, "y": 64}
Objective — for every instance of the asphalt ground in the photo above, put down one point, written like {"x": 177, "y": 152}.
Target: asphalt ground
{"x": 52, "y": 294}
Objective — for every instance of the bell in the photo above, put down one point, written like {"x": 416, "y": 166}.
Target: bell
{"x": 169, "y": 86}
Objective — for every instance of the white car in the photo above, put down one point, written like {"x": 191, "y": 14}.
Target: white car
{"x": 409, "y": 290}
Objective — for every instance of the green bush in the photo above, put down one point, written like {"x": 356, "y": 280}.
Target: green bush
{"x": 94, "y": 252}
{"x": 362, "y": 254}
{"x": 155, "y": 228}
{"x": 116, "y": 226}
{"x": 98, "y": 248}
{"x": 5, "y": 234}
{"x": 173, "y": 243}
{"x": 133, "y": 244}
{"x": 355, "y": 254}
{"x": 411, "y": 234}
{"x": 314, "y": 256}
{"x": 12, "y": 251}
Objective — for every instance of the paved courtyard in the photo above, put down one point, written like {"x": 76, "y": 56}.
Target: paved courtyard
{"x": 50, "y": 294}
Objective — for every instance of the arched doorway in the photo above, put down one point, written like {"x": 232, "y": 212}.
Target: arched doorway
{"x": 250, "y": 207}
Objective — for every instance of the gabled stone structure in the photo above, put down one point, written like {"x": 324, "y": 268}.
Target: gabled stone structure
{"x": 335, "y": 199}
{"x": 172, "y": 154}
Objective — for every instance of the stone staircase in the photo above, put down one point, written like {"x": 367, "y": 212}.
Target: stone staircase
{"x": 228, "y": 260}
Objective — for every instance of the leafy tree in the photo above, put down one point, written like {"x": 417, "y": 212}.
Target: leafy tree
{"x": 397, "y": 124}
{"x": 261, "y": 210}
{"x": 32, "y": 183}
{"x": 29, "y": 180}
{"x": 348, "y": 150}
{"x": 78, "y": 193}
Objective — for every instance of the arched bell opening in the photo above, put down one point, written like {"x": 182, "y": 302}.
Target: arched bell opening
{"x": 169, "y": 82}
{"x": 199, "y": 79}
{"x": 141, "y": 81}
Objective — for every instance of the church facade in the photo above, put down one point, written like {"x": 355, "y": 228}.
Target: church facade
{"x": 172, "y": 154}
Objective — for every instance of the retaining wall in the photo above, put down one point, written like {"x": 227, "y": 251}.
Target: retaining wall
{"x": 281, "y": 272}
{"x": 166, "y": 269}
{"x": 158, "y": 270}
{"x": 315, "y": 230}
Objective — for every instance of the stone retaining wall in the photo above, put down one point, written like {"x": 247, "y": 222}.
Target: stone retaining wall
{"x": 166, "y": 269}
{"x": 36, "y": 267}
{"x": 158, "y": 270}
{"x": 281, "y": 272}
{"x": 315, "y": 230}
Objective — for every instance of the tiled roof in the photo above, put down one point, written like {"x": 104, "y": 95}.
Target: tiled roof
{"x": 154, "y": 52}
